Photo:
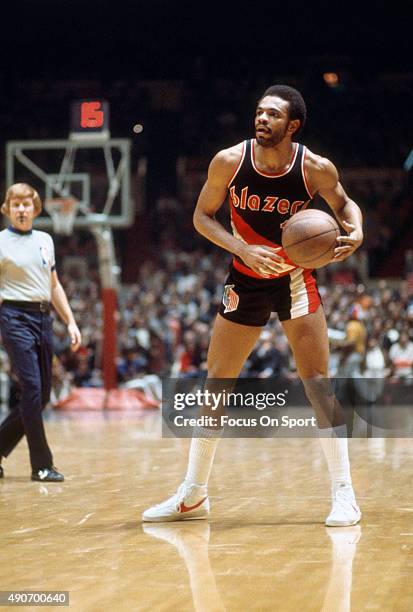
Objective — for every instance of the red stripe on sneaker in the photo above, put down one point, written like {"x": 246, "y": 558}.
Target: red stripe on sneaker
{"x": 184, "y": 508}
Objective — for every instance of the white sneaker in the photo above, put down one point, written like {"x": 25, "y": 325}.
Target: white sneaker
{"x": 189, "y": 502}
{"x": 345, "y": 511}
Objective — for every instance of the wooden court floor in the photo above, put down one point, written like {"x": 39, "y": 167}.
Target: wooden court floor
{"x": 264, "y": 548}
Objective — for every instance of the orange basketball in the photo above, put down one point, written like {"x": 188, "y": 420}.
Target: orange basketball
{"x": 309, "y": 238}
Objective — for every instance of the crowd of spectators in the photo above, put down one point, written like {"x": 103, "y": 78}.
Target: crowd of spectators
{"x": 165, "y": 319}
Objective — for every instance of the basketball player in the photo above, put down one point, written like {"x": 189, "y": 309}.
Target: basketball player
{"x": 268, "y": 179}
{"x": 28, "y": 286}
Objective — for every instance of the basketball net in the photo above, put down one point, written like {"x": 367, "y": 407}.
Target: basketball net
{"x": 63, "y": 212}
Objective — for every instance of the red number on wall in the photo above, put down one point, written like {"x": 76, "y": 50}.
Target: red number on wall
{"x": 90, "y": 115}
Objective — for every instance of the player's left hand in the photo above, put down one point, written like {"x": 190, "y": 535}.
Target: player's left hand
{"x": 75, "y": 336}
{"x": 348, "y": 244}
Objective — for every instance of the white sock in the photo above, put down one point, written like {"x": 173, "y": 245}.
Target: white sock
{"x": 201, "y": 455}
{"x": 335, "y": 449}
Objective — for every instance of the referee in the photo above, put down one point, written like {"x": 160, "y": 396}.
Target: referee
{"x": 28, "y": 287}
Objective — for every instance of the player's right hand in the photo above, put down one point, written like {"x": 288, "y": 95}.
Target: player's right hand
{"x": 264, "y": 260}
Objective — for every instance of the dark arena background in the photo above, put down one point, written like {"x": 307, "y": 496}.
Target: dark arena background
{"x": 166, "y": 86}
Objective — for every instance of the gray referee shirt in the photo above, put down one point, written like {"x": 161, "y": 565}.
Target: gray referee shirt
{"x": 27, "y": 260}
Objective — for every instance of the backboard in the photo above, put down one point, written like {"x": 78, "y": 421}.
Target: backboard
{"x": 95, "y": 171}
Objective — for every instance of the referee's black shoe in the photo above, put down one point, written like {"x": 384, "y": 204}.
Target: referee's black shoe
{"x": 48, "y": 475}
{"x": 1, "y": 472}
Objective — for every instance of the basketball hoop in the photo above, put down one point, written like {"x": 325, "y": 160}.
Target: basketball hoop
{"x": 63, "y": 212}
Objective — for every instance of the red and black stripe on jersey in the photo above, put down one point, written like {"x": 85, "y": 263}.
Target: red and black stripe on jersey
{"x": 260, "y": 203}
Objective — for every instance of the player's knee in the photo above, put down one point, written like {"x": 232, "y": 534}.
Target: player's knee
{"x": 313, "y": 372}
{"x": 318, "y": 390}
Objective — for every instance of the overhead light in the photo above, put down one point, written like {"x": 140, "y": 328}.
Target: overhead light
{"x": 331, "y": 79}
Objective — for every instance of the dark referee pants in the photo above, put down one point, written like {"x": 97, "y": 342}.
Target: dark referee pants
{"x": 27, "y": 338}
